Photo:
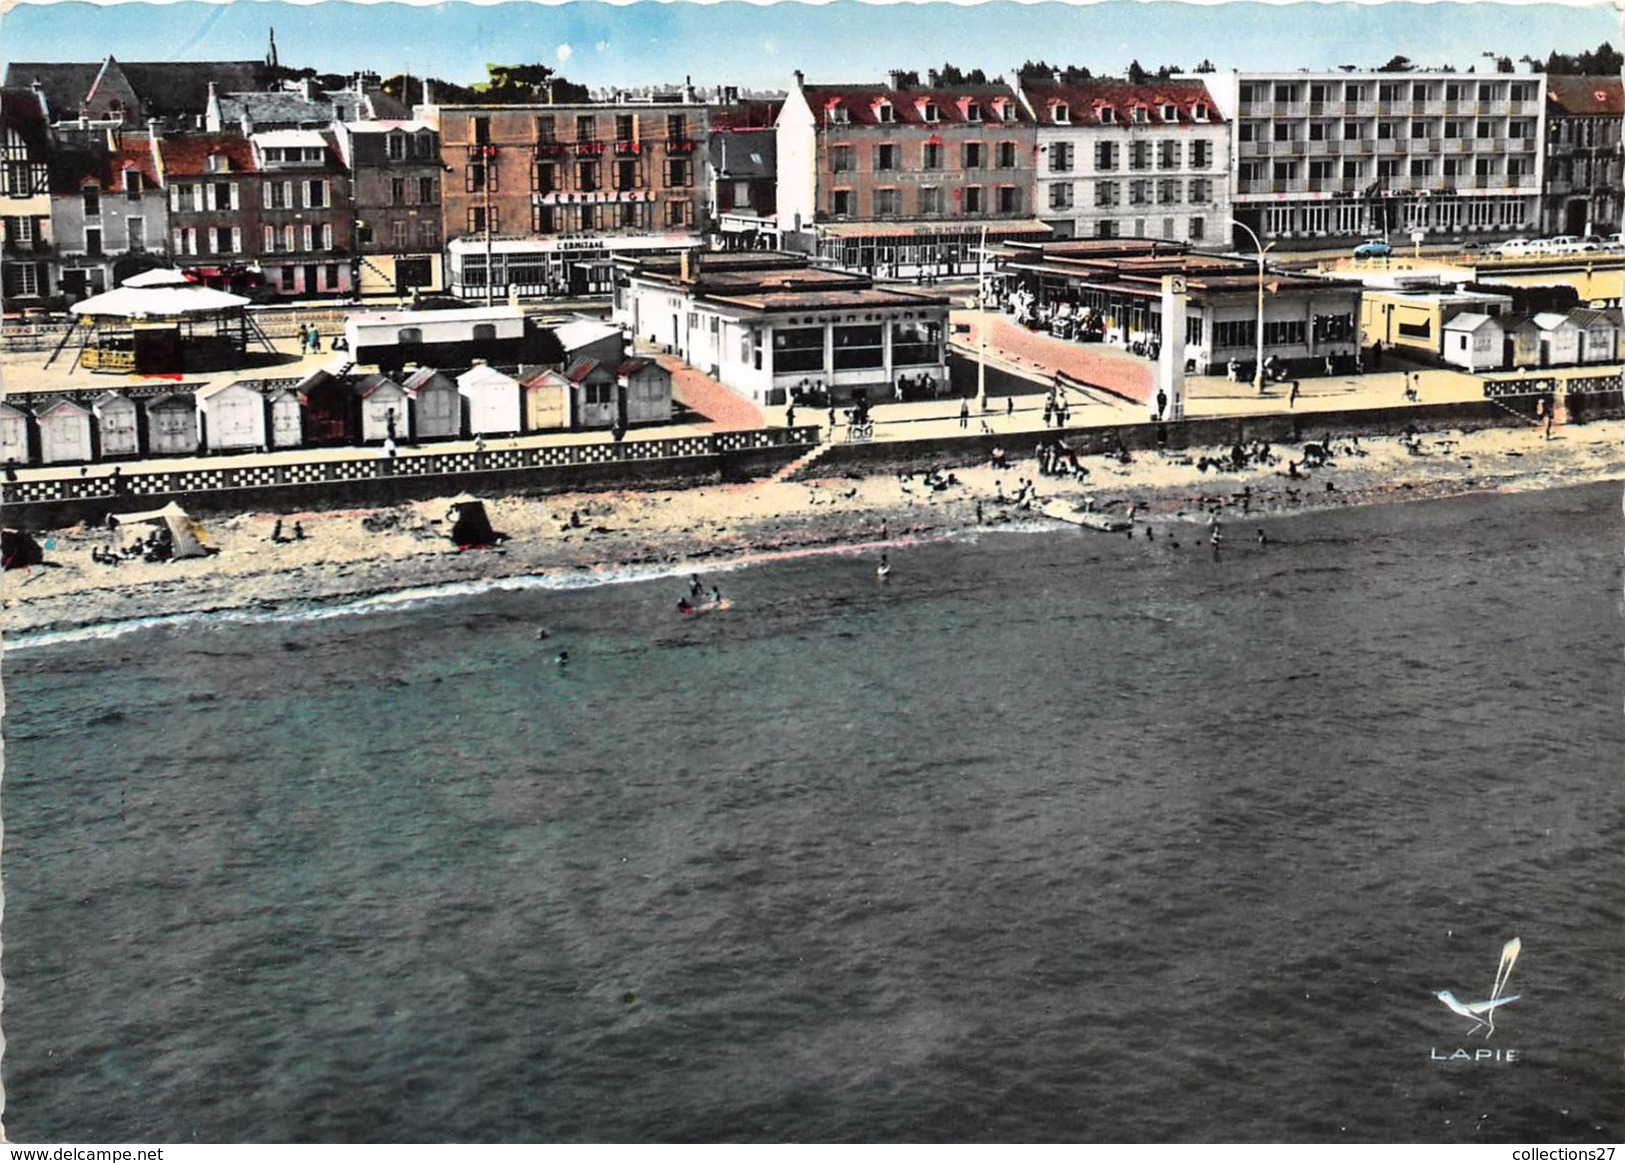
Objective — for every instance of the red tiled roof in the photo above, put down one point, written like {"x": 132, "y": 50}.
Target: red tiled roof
{"x": 745, "y": 115}
{"x": 188, "y": 156}
{"x": 1580, "y": 96}
{"x": 136, "y": 153}
{"x": 581, "y": 369}
{"x": 953, "y": 104}
{"x": 1085, "y": 102}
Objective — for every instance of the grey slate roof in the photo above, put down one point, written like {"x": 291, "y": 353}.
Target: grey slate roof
{"x": 166, "y": 88}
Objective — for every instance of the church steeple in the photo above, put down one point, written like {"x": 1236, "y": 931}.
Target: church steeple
{"x": 270, "y": 56}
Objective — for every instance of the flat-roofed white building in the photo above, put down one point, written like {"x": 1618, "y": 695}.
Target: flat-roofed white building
{"x": 768, "y": 324}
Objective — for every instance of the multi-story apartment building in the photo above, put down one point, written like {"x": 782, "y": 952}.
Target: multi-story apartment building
{"x": 1583, "y": 158}
{"x": 306, "y": 222}
{"x": 212, "y": 184}
{"x": 1117, "y": 160}
{"x": 538, "y": 198}
{"x": 1330, "y": 158}
{"x": 904, "y": 180}
{"x": 395, "y": 178}
{"x": 109, "y": 214}
{"x": 26, "y": 248}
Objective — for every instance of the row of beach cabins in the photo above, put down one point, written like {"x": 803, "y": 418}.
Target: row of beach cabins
{"x": 333, "y": 408}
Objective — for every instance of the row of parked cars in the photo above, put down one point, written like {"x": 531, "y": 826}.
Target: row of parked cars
{"x": 1561, "y": 244}
{"x": 1518, "y": 247}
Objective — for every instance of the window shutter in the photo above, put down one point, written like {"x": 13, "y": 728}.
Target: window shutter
{"x": 310, "y": 241}
{"x": 491, "y": 173}
{"x": 287, "y": 237}
{"x": 236, "y": 234}
{"x": 265, "y": 195}
{"x": 327, "y": 193}
{"x": 175, "y": 236}
{"x": 327, "y": 235}
{"x": 233, "y": 188}
{"x": 175, "y": 198}
{"x": 208, "y": 240}
{"x": 270, "y": 239}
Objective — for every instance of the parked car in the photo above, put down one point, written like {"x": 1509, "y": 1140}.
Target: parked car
{"x": 1515, "y": 246}
{"x": 1560, "y": 244}
{"x": 1373, "y": 248}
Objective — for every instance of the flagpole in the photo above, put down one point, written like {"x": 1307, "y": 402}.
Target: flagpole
{"x": 981, "y": 323}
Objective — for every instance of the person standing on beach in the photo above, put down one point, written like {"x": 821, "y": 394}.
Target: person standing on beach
{"x": 964, "y": 414}
{"x": 1292, "y": 394}
{"x": 790, "y": 416}
{"x": 1162, "y": 403}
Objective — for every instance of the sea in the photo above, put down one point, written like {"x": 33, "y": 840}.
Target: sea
{"x": 1052, "y": 835}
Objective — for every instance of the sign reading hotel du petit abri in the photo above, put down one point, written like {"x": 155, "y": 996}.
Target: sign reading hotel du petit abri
{"x": 597, "y": 196}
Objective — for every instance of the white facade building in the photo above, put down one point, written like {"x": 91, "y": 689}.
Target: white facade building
{"x": 1337, "y": 157}
{"x": 1117, "y": 160}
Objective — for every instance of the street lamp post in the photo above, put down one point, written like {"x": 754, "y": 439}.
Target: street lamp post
{"x": 1258, "y": 365}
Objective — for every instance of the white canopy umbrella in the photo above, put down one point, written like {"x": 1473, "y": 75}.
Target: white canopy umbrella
{"x": 165, "y": 301}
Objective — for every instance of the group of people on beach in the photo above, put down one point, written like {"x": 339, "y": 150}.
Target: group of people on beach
{"x": 155, "y": 546}
{"x": 695, "y": 599}
{"x": 1055, "y": 459}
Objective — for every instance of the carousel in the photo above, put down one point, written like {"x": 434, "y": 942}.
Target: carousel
{"x": 161, "y": 323}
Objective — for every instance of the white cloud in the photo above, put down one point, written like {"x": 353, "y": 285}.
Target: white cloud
{"x": 602, "y": 46}
{"x": 565, "y": 53}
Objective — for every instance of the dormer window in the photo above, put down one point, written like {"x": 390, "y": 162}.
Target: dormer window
{"x": 1199, "y": 113}
{"x": 395, "y": 146}
{"x": 1170, "y": 113}
{"x": 218, "y": 163}
{"x": 132, "y": 183}
{"x": 1108, "y": 115}
{"x": 929, "y": 112}
{"x": 1063, "y": 113}
{"x": 839, "y": 115}
{"x": 973, "y": 112}
{"x": 884, "y": 113}
{"x": 1138, "y": 115}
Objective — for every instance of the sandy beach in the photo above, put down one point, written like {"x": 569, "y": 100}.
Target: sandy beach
{"x": 353, "y": 553}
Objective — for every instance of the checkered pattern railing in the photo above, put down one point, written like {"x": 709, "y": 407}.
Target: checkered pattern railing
{"x": 1545, "y": 385}
{"x": 370, "y": 466}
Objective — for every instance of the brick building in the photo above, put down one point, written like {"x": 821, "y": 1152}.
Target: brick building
{"x": 896, "y": 180}
{"x": 538, "y": 198}
{"x": 396, "y": 179}
{"x": 212, "y": 184}
{"x": 306, "y": 222}
{"x": 1583, "y": 187}
{"x": 1117, "y": 160}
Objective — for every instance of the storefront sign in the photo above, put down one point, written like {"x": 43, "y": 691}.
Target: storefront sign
{"x": 596, "y": 198}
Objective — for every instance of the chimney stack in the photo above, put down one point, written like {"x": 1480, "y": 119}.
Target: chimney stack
{"x": 801, "y": 78}
{"x": 895, "y": 78}
{"x": 39, "y": 93}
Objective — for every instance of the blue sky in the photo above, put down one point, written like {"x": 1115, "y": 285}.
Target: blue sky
{"x": 760, "y": 45}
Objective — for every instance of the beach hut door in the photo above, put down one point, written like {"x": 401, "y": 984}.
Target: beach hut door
{"x": 285, "y": 428}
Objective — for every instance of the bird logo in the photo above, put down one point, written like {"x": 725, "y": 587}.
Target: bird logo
{"x": 1482, "y": 1013}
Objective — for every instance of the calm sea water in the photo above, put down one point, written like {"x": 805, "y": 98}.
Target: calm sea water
{"x": 1056, "y": 836}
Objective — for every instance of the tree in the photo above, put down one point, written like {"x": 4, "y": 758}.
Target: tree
{"x": 1605, "y": 60}
{"x": 1397, "y": 64}
{"x": 1505, "y": 65}
{"x": 951, "y": 74}
{"x": 1043, "y": 71}
{"x": 1206, "y": 66}
{"x": 1136, "y": 74}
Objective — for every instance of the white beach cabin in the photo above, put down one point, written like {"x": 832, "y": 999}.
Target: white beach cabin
{"x": 13, "y": 435}
{"x": 1474, "y": 341}
{"x": 233, "y": 417}
{"x": 1559, "y": 339}
{"x": 64, "y": 431}
{"x": 383, "y": 403}
{"x": 117, "y": 425}
{"x": 437, "y": 407}
{"x": 491, "y": 401}
{"x": 287, "y": 419}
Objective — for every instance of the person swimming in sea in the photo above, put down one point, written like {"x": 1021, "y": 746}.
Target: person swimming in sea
{"x": 684, "y": 606}
{"x": 716, "y": 596}
{"x": 884, "y": 571}
{"x": 563, "y": 658}
{"x": 694, "y": 587}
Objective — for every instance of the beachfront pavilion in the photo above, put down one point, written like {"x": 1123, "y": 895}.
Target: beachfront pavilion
{"x": 160, "y": 322}
{"x": 1111, "y": 292}
{"x": 770, "y": 326}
